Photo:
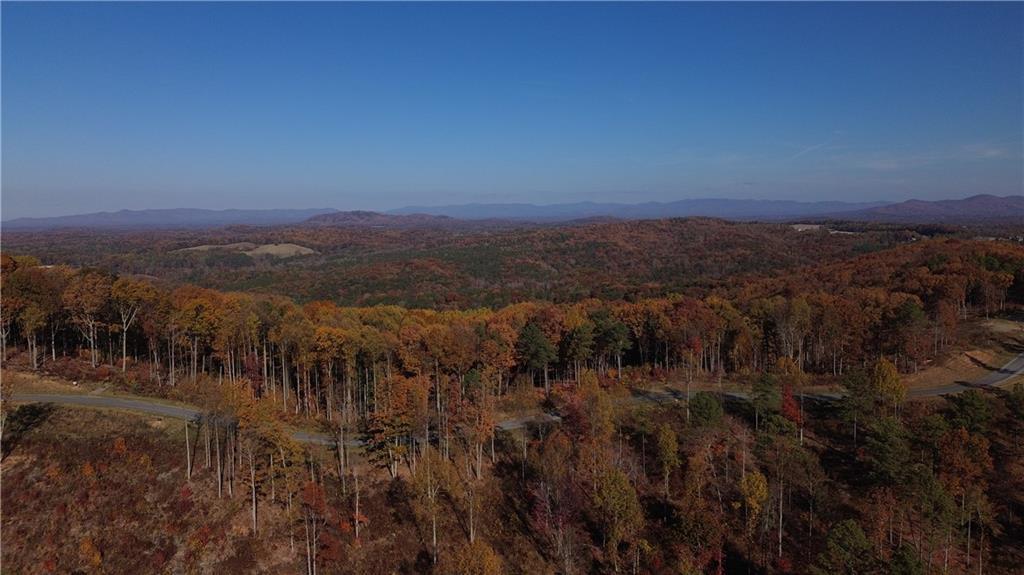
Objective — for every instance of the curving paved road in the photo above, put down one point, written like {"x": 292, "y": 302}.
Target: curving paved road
{"x": 140, "y": 405}
{"x": 1012, "y": 368}
{"x": 189, "y": 413}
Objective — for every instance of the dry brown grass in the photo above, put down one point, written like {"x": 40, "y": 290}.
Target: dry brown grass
{"x": 994, "y": 342}
{"x": 24, "y": 382}
{"x": 238, "y": 246}
{"x": 280, "y": 250}
{"x": 255, "y": 250}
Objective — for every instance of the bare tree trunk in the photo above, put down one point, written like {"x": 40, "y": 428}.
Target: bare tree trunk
{"x": 32, "y": 350}
{"x": 981, "y": 551}
{"x": 309, "y": 554}
{"x": 945, "y": 555}
{"x": 343, "y": 452}
{"x": 970, "y": 519}
{"x": 220, "y": 468}
{"x": 252, "y": 485}
{"x": 433, "y": 529}
{"x": 780, "y": 516}
{"x": 355, "y": 476}
{"x": 171, "y": 375}
{"x": 689, "y": 378}
{"x": 206, "y": 433}
{"x": 188, "y": 455}
{"x": 472, "y": 505}
{"x": 92, "y": 344}
{"x": 124, "y": 349}
{"x": 284, "y": 379}
{"x": 229, "y": 437}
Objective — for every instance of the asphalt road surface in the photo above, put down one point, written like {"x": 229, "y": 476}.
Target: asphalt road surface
{"x": 183, "y": 412}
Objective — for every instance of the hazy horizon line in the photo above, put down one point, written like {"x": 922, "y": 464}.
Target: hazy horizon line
{"x": 500, "y": 203}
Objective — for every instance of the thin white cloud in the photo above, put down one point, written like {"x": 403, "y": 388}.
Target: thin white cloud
{"x": 984, "y": 151}
{"x": 896, "y": 160}
{"x": 691, "y": 156}
{"x": 819, "y": 146}
{"x": 808, "y": 150}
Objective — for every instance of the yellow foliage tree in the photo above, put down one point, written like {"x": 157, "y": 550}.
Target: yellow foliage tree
{"x": 754, "y": 488}
{"x": 885, "y": 380}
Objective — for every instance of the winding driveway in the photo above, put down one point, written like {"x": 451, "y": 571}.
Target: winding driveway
{"x": 1012, "y": 369}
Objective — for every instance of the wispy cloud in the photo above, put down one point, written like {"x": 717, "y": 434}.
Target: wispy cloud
{"x": 984, "y": 151}
{"x": 690, "y": 156}
{"x": 808, "y": 150}
{"x": 973, "y": 152}
{"x": 819, "y": 146}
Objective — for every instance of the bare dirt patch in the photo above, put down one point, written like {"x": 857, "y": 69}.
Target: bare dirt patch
{"x": 996, "y": 341}
{"x": 235, "y": 247}
{"x": 255, "y": 250}
{"x": 1004, "y": 326}
{"x": 964, "y": 366}
{"x": 280, "y": 250}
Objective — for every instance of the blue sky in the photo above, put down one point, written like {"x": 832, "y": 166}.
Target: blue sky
{"x": 376, "y": 106}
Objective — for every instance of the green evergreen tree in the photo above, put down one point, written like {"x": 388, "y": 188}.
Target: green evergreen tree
{"x": 847, "y": 552}
{"x": 535, "y": 351}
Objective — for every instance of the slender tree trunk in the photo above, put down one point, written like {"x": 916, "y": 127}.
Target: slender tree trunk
{"x": 220, "y": 467}
{"x": 30, "y": 341}
{"x": 472, "y": 527}
{"x": 945, "y": 555}
{"x": 252, "y": 486}
{"x": 188, "y": 455}
{"x": 970, "y": 520}
{"x": 124, "y": 348}
{"x": 355, "y": 477}
{"x": 206, "y": 434}
{"x": 309, "y": 554}
{"x": 981, "y": 552}
{"x": 780, "y": 516}
{"x": 171, "y": 375}
{"x": 92, "y": 344}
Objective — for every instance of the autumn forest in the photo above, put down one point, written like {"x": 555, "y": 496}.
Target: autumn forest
{"x": 511, "y": 288}
{"x": 692, "y": 415}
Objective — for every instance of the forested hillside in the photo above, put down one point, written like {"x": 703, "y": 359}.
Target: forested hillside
{"x": 442, "y": 268}
{"x": 772, "y": 480}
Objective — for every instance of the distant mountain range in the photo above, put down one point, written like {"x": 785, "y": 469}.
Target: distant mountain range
{"x": 360, "y": 218}
{"x": 167, "y": 219}
{"x": 978, "y": 208}
{"x": 709, "y": 207}
{"x": 983, "y": 207}
{"x": 968, "y": 210}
